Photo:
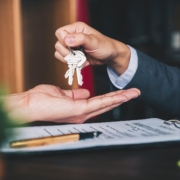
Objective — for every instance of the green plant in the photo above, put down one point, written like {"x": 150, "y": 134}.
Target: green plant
{"x": 5, "y": 121}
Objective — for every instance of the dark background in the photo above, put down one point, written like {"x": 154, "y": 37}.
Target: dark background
{"x": 152, "y": 26}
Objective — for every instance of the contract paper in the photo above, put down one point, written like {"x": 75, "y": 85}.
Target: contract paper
{"x": 114, "y": 133}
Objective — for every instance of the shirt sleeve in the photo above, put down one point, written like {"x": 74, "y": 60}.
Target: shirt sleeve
{"x": 121, "y": 81}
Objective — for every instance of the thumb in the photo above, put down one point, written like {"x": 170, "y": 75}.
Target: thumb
{"x": 77, "y": 93}
{"x": 89, "y": 42}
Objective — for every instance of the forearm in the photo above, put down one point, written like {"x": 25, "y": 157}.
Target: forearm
{"x": 120, "y": 81}
{"x": 121, "y": 59}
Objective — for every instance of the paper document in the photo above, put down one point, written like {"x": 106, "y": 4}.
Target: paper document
{"x": 114, "y": 133}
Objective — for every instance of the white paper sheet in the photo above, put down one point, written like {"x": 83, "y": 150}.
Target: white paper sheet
{"x": 114, "y": 133}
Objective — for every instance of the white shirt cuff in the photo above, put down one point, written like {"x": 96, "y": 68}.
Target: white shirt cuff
{"x": 121, "y": 81}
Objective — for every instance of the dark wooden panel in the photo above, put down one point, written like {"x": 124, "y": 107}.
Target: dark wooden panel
{"x": 11, "y": 65}
{"x": 40, "y": 20}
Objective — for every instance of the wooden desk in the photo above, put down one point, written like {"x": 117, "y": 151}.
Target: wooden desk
{"x": 131, "y": 163}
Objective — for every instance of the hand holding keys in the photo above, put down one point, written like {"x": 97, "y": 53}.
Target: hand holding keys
{"x": 75, "y": 61}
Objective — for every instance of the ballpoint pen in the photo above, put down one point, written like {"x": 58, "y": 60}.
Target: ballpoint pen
{"x": 53, "y": 139}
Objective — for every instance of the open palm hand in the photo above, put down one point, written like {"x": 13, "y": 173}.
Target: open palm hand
{"x": 50, "y": 103}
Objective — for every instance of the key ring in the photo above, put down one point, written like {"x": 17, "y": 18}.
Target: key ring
{"x": 71, "y": 51}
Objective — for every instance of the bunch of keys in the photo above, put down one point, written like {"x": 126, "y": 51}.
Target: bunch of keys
{"x": 75, "y": 61}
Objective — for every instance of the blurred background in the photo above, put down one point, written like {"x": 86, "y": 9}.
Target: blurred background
{"x": 27, "y": 42}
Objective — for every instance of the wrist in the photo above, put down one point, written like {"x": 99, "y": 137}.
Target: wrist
{"x": 15, "y": 104}
{"x": 121, "y": 58}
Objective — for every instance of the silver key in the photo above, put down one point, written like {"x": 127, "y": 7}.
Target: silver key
{"x": 75, "y": 60}
{"x": 72, "y": 62}
{"x": 69, "y": 74}
{"x": 79, "y": 75}
{"x": 79, "y": 67}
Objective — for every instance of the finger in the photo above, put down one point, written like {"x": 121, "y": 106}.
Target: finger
{"x": 108, "y": 94}
{"x": 60, "y": 34}
{"x": 59, "y": 57}
{"x": 89, "y": 42}
{"x": 131, "y": 93}
{"x": 76, "y": 27}
{"x": 81, "y": 119}
{"x": 100, "y": 111}
{"x": 77, "y": 93}
{"x": 61, "y": 49}
{"x": 105, "y": 101}
{"x": 103, "y": 110}
{"x": 126, "y": 92}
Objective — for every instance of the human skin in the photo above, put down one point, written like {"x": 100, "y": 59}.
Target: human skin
{"x": 51, "y": 103}
{"x": 99, "y": 49}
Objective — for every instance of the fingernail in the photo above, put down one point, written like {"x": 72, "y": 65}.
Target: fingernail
{"x": 69, "y": 40}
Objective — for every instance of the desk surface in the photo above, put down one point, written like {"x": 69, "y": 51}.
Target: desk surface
{"x": 148, "y": 163}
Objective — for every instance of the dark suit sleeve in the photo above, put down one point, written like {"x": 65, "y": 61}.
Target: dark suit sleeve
{"x": 159, "y": 85}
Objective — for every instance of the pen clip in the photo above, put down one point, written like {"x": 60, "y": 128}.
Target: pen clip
{"x": 174, "y": 122}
